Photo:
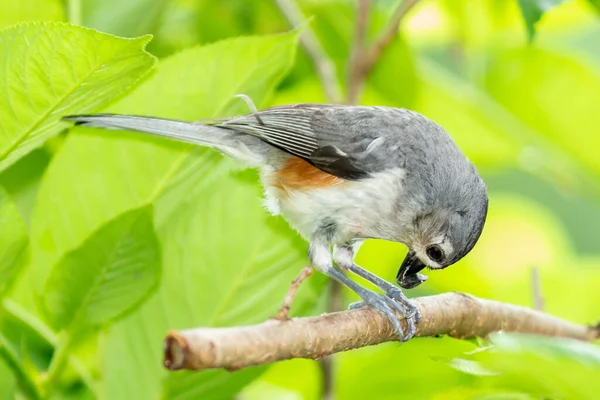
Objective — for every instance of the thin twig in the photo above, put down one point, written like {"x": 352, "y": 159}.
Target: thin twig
{"x": 284, "y": 310}
{"x": 389, "y": 32}
{"x": 325, "y": 67}
{"x": 327, "y": 73}
{"x": 362, "y": 60}
{"x": 456, "y": 314}
{"x": 327, "y": 363}
{"x": 536, "y": 289}
{"x": 12, "y": 360}
{"x": 328, "y": 376}
{"x": 356, "y": 63}
{"x": 18, "y": 312}
{"x": 74, "y": 11}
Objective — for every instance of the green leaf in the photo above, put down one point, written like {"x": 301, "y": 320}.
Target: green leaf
{"x": 470, "y": 367}
{"x": 54, "y": 69}
{"x": 22, "y": 179}
{"x": 532, "y": 11}
{"x": 13, "y": 242}
{"x": 396, "y": 61}
{"x": 14, "y": 12}
{"x": 543, "y": 366}
{"x": 281, "y": 381}
{"x": 117, "y": 171}
{"x": 135, "y": 17}
{"x": 595, "y": 4}
{"x": 500, "y": 395}
{"x": 108, "y": 275}
{"x": 23, "y": 331}
{"x": 390, "y": 369}
{"x": 505, "y": 138}
{"x": 235, "y": 268}
{"x": 541, "y": 78}
{"x": 7, "y": 382}
{"x": 22, "y": 374}
{"x": 210, "y": 385}
{"x": 461, "y": 110}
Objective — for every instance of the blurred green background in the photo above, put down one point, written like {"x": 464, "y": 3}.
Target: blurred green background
{"x": 525, "y": 112}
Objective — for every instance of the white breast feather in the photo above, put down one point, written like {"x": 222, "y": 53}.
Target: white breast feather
{"x": 354, "y": 206}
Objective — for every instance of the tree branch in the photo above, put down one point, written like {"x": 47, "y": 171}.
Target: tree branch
{"x": 356, "y": 64}
{"x": 308, "y": 39}
{"x": 389, "y": 32}
{"x": 536, "y": 289}
{"x": 362, "y": 60}
{"x": 456, "y": 314}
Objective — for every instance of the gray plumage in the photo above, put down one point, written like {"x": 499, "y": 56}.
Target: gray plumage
{"x": 405, "y": 178}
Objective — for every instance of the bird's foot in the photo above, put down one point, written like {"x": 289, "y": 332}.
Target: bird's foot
{"x": 411, "y": 310}
{"x": 391, "y": 304}
{"x": 412, "y": 313}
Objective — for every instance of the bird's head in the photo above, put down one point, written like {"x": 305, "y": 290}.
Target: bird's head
{"x": 441, "y": 235}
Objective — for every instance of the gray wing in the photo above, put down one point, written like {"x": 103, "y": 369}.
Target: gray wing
{"x": 350, "y": 142}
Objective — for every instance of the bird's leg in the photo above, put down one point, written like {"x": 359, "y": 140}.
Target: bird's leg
{"x": 344, "y": 257}
{"x": 320, "y": 258}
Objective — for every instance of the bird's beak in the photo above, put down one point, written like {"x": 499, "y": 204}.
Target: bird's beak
{"x": 408, "y": 276}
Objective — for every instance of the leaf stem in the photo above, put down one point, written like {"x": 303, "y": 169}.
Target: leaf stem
{"x": 60, "y": 358}
{"x": 26, "y": 382}
{"x": 18, "y": 312}
{"x": 74, "y": 11}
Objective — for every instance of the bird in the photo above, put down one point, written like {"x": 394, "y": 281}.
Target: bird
{"x": 342, "y": 174}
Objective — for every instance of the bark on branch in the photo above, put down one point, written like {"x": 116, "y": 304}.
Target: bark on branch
{"x": 455, "y": 314}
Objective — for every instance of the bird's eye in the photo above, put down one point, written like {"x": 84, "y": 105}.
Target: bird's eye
{"x": 435, "y": 253}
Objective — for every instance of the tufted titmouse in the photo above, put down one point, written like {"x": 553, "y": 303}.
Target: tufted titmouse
{"x": 342, "y": 174}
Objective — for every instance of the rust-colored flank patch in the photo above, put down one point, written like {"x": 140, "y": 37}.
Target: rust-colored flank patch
{"x": 298, "y": 174}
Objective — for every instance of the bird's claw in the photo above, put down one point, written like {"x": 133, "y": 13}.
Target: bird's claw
{"x": 390, "y": 305}
{"x": 356, "y": 305}
{"x": 411, "y": 311}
